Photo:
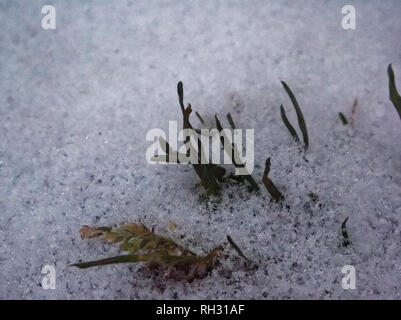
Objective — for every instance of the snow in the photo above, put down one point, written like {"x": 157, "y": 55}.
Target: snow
{"x": 76, "y": 103}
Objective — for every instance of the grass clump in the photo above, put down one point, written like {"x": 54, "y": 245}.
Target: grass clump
{"x": 210, "y": 175}
{"x": 235, "y": 153}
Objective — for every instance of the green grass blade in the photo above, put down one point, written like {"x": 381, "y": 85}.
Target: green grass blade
{"x": 209, "y": 174}
{"x": 236, "y": 248}
{"x": 180, "y": 91}
{"x": 288, "y": 124}
{"x": 394, "y": 95}
{"x": 346, "y": 241}
{"x": 343, "y": 118}
{"x": 234, "y": 150}
{"x": 200, "y": 117}
{"x": 301, "y": 120}
{"x": 102, "y": 262}
{"x": 231, "y": 121}
{"x": 271, "y": 188}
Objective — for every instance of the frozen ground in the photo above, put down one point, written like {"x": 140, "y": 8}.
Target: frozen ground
{"x": 76, "y": 103}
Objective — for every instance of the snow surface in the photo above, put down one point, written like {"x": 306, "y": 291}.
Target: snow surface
{"x": 76, "y": 103}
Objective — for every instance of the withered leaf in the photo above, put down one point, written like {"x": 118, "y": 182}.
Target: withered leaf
{"x": 144, "y": 245}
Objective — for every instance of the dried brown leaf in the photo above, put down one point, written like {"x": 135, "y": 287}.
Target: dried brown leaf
{"x": 144, "y": 245}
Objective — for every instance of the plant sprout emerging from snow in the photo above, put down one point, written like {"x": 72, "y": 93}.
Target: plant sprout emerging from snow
{"x": 210, "y": 174}
{"x": 235, "y": 153}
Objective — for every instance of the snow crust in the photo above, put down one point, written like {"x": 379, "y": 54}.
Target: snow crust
{"x": 76, "y": 103}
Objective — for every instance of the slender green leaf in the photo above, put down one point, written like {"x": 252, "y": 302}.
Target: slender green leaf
{"x": 200, "y": 117}
{"x": 236, "y": 248}
{"x": 113, "y": 260}
{"x": 231, "y": 121}
{"x": 210, "y": 174}
{"x": 180, "y": 91}
{"x": 235, "y": 155}
{"x": 301, "y": 120}
{"x": 343, "y": 118}
{"x": 346, "y": 241}
{"x": 394, "y": 95}
{"x": 271, "y": 188}
{"x": 288, "y": 124}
